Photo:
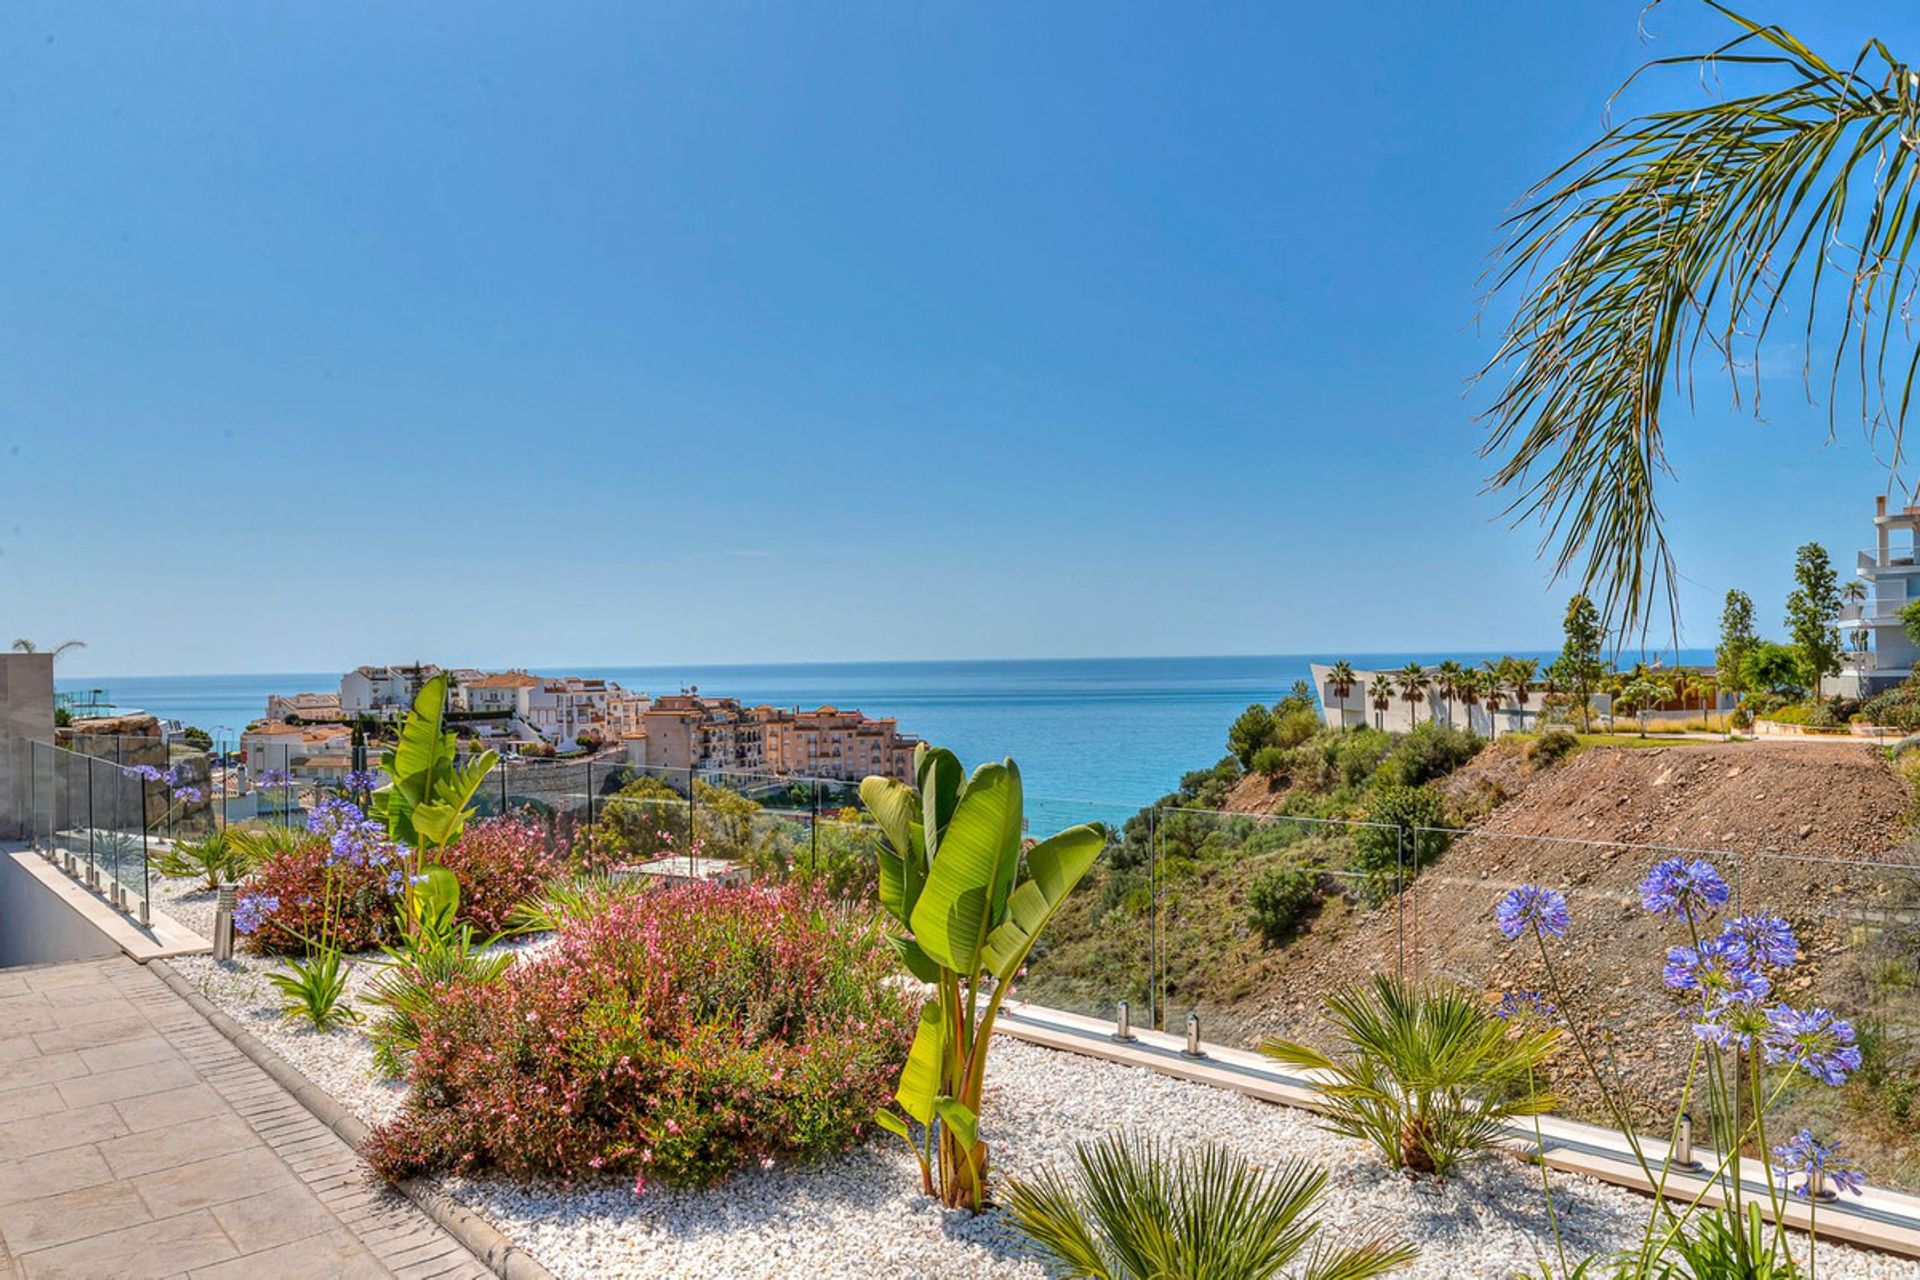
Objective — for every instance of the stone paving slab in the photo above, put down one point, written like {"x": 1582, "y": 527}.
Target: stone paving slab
{"x": 137, "y": 1141}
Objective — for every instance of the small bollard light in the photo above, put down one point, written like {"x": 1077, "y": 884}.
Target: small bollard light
{"x": 1682, "y": 1154}
{"x": 1123, "y": 1022}
{"x": 146, "y": 915}
{"x": 1817, "y": 1187}
{"x": 223, "y": 923}
{"x": 1193, "y": 1049}
{"x": 116, "y": 895}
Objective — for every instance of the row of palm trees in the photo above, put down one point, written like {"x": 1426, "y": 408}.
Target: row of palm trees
{"x": 1514, "y": 681}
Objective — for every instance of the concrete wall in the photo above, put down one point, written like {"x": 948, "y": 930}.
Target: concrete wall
{"x": 26, "y": 715}
{"x": 36, "y": 927}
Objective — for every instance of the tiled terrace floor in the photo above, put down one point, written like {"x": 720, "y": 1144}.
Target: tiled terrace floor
{"x": 135, "y": 1140}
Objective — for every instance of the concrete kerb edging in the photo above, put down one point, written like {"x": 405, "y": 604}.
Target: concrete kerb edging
{"x": 505, "y": 1258}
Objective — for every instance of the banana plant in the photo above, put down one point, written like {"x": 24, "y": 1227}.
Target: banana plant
{"x": 951, "y": 876}
{"x": 428, "y": 792}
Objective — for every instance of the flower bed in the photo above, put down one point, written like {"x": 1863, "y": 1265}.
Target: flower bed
{"x": 679, "y": 1034}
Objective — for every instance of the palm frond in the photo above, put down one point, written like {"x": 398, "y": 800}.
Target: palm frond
{"x": 1690, "y": 227}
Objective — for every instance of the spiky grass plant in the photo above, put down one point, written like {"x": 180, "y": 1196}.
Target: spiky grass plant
{"x": 1429, "y": 1076}
{"x": 1702, "y": 224}
{"x": 1133, "y": 1211}
{"x": 216, "y": 860}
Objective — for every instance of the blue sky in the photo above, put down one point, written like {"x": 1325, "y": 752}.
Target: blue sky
{"x": 626, "y": 334}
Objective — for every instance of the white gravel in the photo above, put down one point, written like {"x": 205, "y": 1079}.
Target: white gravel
{"x": 861, "y": 1215}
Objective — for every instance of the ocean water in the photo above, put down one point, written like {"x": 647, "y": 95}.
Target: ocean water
{"x": 1096, "y": 738}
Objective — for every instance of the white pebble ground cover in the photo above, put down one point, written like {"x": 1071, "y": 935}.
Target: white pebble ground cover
{"x": 862, "y": 1216}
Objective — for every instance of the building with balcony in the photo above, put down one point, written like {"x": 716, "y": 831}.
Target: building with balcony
{"x": 1879, "y": 653}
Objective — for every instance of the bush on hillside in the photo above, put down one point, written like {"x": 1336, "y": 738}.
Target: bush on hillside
{"x": 1393, "y": 845}
{"x": 1897, "y": 708}
{"x": 1427, "y": 752}
{"x": 1280, "y": 901}
{"x": 1551, "y": 748}
{"x": 1295, "y": 727}
{"x": 1272, "y": 762}
{"x": 682, "y": 1034}
{"x": 1251, "y": 730}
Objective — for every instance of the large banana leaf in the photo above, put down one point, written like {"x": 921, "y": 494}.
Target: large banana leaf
{"x": 978, "y": 859}
{"x": 895, "y": 806}
{"x": 1054, "y": 867}
{"x": 942, "y": 780}
{"x": 920, "y": 1078}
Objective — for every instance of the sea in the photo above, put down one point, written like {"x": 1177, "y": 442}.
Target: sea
{"x": 1095, "y": 738}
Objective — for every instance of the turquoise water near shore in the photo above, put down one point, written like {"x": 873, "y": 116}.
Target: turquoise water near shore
{"x": 1095, "y": 737}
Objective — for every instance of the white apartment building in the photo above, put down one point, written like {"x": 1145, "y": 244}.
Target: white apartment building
{"x": 562, "y": 709}
{"x": 1878, "y": 652}
{"x": 384, "y": 692}
{"x": 308, "y": 752}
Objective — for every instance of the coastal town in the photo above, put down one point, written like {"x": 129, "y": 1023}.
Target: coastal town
{"x": 522, "y": 714}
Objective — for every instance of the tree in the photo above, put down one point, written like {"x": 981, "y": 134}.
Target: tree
{"x": 1697, "y": 226}
{"x": 1446, "y": 683}
{"x": 1493, "y": 689}
{"x": 1380, "y": 693}
{"x": 1737, "y": 640}
{"x": 1813, "y": 610}
{"x": 1524, "y": 670}
{"x": 1251, "y": 730}
{"x": 1413, "y": 689}
{"x": 1467, "y": 688}
{"x": 1773, "y": 668}
{"x": 1341, "y": 680}
{"x": 1640, "y": 695}
{"x": 1910, "y": 620}
{"x": 1580, "y": 663}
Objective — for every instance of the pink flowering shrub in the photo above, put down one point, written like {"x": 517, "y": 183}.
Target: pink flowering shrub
{"x": 501, "y": 862}
{"x": 279, "y": 909}
{"x": 680, "y": 1034}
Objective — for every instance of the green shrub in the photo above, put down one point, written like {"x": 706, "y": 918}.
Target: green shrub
{"x": 1295, "y": 727}
{"x": 1250, "y": 731}
{"x": 1271, "y": 761}
{"x": 1430, "y": 751}
{"x": 1378, "y": 850}
{"x": 1280, "y": 902}
{"x": 1551, "y": 747}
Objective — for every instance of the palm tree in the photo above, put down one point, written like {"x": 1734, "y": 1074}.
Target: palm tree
{"x": 1446, "y": 683}
{"x": 1853, "y": 591}
{"x": 1342, "y": 679}
{"x": 1689, "y": 228}
{"x": 1522, "y": 672}
{"x": 1493, "y": 692}
{"x": 64, "y": 647}
{"x": 1641, "y": 693}
{"x": 1413, "y": 690}
{"x": 1468, "y": 689}
{"x": 1381, "y": 693}
{"x": 1133, "y": 1210}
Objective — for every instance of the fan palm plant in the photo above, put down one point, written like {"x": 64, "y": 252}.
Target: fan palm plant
{"x": 1341, "y": 679}
{"x": 1380, "y": 693}
{"x": 1701, "y": 224}
{"x": 1430, "y": 1076}
{"x": 1468, "y": 687}
{"x": 1133, "y": 1211}
{"x": 1447, "y": 679}
{"x": 1413, "y": 683}
{"x": 1494, "y": 691}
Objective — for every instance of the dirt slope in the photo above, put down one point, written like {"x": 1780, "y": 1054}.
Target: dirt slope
{"x": 1589, "y": 827}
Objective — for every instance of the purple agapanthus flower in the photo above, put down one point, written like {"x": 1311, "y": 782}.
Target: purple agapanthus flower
{"x": 398, "y": 878}
{"x": 190, "y": 795}
{"x": 1820, "y": 1163}
{"x": 1524, "y": 1006}
{"x": 1684, "y": 889}
{"x": 361, "y": 781}
{"x": 1768, "y": 939}
{"x": 147, "y": 773}
{"x": 179, "y": 776}
{"x": 274, "y": 778}
{"x": 1731, "y": 1021}
{"x": 1815, "y": 1040}
{"x": 1719, "y": 968}
{"x": 1532, "y": 907}
{"x": 252, "y": 912}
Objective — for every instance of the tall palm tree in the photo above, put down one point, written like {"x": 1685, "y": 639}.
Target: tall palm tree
{"x": 1696, "y": 227}
{"x": 1523, "y": 672}
{"x": 1342, "y": 679}
{"x": 1853, "y": 591}
{"x": 1413, "y": 690}
{"x": 1494, "y": 691}
{"x": 1380, "y": 691}
{"x": 1446, "y": 683}
{"x": 64, "y": 647}
{"x": 1468, "y": 688}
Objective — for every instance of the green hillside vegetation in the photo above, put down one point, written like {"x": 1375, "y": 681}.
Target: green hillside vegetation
{"x": 1229, "y": 880}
